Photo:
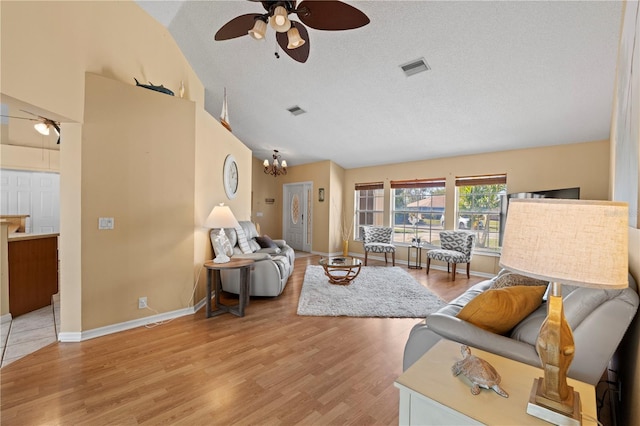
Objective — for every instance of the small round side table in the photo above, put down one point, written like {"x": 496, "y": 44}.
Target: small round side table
{"x": 213, "y": 274}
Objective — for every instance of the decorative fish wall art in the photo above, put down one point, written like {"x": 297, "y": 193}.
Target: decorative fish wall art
{"x": 151, "y": 86}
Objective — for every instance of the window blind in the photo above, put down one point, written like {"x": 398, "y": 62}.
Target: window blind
{"x": 369, "y": 186}
{"x": 481, "y": 180}
{"x": 419, "y": 183}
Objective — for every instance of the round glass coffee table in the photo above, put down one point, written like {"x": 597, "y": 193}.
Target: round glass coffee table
{"x": 341, "y": 270}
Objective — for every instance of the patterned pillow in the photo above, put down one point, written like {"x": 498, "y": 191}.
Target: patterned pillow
{"x": 253, "y": 245}
{"x": 242, "y": 240}
{"x": 509, "y": 279}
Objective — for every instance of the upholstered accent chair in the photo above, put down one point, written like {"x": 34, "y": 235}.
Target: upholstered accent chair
{"x": 457, "y": 247}
{"x": 378, "y": 239}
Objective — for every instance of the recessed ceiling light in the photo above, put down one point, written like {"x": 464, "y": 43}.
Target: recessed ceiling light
{"x": 415, "y": 67}
{"x": 296, "y": 110}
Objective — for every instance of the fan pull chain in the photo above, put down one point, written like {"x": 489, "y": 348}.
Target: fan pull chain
{"x": 277, "y": 52}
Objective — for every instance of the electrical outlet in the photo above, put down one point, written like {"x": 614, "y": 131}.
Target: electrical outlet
{"x": 142, "y": 302}
{"x": 413, "y": 254}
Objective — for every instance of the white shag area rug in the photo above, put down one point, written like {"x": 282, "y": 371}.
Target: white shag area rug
{"x": 376, "y": 292}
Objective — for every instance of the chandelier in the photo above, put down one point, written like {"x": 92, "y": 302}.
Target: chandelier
{"x": 279, "y": 167}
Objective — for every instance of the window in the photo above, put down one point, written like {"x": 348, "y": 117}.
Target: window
{"x": 369, "y": 205}
{"x": 479, "y": 200}
{"x": 418, "y": 206}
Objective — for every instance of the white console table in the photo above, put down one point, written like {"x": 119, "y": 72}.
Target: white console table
{"x": 431, "y": 395}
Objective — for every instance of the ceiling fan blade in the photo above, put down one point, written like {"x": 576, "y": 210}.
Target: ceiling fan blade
{"x": 331, "y": 15}
{"x": 20, "y": 118}
{"x": 300, "y": 54}
{"x": 237, "y": 27}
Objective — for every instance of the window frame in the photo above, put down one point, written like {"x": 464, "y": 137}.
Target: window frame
{"x": 481, "y": 220}
{"x": 376, "y": 194}
{"x": 425, "y": 216}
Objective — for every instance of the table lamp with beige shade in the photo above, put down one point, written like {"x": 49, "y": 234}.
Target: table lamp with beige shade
{"x": 221, "y": 217}
{"x": 574, "y": 242}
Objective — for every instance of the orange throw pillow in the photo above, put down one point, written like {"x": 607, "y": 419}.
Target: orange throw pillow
{"x": 499, "y": 310}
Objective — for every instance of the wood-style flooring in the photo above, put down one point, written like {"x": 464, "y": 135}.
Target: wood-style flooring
{"x": 270, "y": 367}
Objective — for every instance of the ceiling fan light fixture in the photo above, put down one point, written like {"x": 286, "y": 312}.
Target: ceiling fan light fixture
{"x": 295, "y": 40}
{"x": 280, "y": 21}
{"x": 42, "y": 128}
{"x": 259, "y": 29}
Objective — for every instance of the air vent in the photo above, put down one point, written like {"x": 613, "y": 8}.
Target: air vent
{"x": 296, "y": 110}
{"x": 415, "y": 67}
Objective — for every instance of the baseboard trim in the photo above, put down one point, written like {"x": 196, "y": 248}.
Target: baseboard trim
{"x": 127, "y": 325}
{"x": 70, "y": 337}
{"x": 5, "y": 318}
{"x": 200, "y": 304}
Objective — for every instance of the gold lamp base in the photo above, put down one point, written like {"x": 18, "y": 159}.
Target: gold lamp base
{"x": 540, "y": 406}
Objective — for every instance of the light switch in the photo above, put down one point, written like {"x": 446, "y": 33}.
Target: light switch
{"x": 105, "y": 223}
{"x": 259, "y": 214}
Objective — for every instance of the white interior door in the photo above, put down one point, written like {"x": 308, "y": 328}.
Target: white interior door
{"x": 296, "y": 215}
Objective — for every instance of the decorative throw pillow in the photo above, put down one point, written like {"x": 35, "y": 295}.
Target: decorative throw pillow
{"x": 242, "y": 240}
{"x": 225, "y": 244}
{"x": 508, "y": 279}
{"x": 253, "y": 245}
{"x": 499, "y": 310}
{"x": 266, "y": 242}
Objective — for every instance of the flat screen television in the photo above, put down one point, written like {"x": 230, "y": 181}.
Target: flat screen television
{"x": 565, "y": 193}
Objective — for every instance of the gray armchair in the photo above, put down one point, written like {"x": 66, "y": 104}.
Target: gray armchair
{"x": 378, "y": 239}
{"x": 457, "y": 247}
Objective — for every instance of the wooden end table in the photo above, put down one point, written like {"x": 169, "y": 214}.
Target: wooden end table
{"x": 341, "y": 270}
{"x": 213, "y": 274}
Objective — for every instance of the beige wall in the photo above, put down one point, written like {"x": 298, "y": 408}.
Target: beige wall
{"x": 25, "y": 158}
{"x": 213, "y": 144}
{"x": 114, "y": 39}
{"x": 118, "y": 40}
{"x": 266, "y": 187}
{"x": 338, "y": 215}
{"x": 325, "y": 217}
{"x": 585, "y": 165}
{"x": 140, "y": 172}
{"x": 70, "y": 241}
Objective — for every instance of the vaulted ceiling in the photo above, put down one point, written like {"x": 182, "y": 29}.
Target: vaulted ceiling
{"x": 504, "y": 75}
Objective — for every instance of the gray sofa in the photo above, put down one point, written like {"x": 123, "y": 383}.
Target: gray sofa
{"x": 273, "y": 265}
{"x": 598, "y": 318}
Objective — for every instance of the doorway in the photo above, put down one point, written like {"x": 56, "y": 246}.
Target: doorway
{"x": 297, "y": 214}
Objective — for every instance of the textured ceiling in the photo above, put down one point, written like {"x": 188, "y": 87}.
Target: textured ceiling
{"x": 504, "y": 75}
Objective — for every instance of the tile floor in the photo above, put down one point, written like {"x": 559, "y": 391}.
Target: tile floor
{"x": 29, "y": 332}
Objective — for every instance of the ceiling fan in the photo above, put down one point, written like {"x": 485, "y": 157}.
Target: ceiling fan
{"x": 43, "y": 124}
{"x": 292, "y": 36}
